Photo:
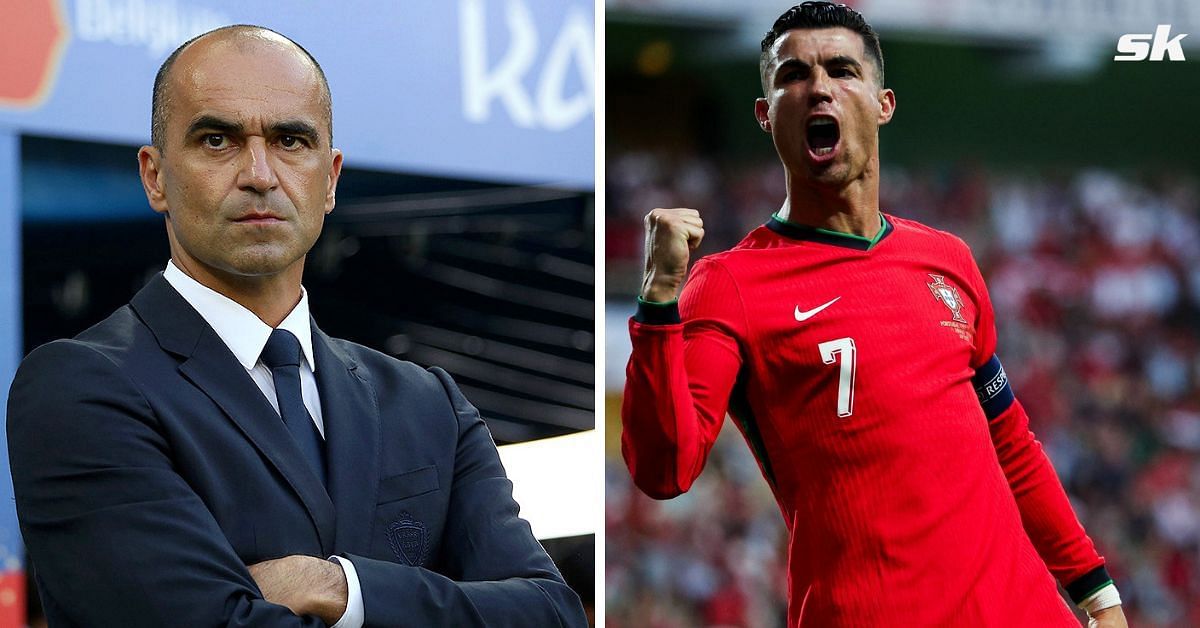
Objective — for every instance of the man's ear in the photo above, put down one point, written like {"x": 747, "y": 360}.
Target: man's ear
{"x": 761, "y": 112}
{"x": 335, "y": 172}
{"x": 887, "y": 106}
{"x": 150, "y": 170}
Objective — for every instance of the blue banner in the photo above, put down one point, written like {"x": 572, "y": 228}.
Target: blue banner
{"x": 482, "y": 89}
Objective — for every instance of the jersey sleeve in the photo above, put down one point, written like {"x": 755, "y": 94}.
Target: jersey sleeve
{"x": 678, "y": 381}
{"x": 1046, "y": 512}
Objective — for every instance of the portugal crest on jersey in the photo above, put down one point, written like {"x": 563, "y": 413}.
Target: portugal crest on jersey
{"x": 948, "y": 295}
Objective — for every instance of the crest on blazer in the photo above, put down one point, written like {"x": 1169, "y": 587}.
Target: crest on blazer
{"x": 408, "y": 539}
{"x": 948, "y": 295}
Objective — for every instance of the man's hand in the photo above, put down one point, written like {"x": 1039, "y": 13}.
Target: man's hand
{"x": 671, "y": 236}
{"x": 304, "y": 584}
{"x": 1111, "y": 617}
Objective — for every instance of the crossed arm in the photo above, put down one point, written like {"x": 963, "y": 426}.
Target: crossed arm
{"x": 304, "y": 584}
{"x": 483, "y": 589}
{"x": 119, "y": 538}
{"x": 494, "y": 572}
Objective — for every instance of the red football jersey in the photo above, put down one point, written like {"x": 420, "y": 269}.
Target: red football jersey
{"x": 862, "y": 374}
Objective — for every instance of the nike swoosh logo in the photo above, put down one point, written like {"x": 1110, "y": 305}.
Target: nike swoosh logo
{"x": 803, "y": 316}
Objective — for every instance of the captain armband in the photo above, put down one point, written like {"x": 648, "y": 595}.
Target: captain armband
{"x": 992, "y": 387}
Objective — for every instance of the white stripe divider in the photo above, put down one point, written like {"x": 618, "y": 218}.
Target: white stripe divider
{"x": 555, "y": 482}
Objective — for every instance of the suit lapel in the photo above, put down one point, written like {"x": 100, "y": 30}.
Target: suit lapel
{"x": 352, "y": 441}
{"x": 209, "y": 364}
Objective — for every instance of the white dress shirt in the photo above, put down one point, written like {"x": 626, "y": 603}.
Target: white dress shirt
{"x": 245, "y": 334}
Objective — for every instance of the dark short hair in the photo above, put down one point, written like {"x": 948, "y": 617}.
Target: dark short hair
{"x": 159, "y": 100}
{"x": 811, "y": 15}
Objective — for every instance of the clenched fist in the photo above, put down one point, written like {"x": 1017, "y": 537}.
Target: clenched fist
{"x": 671, "y": 236}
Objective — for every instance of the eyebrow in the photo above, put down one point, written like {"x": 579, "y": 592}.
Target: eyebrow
{"x": 213, "y": 123}
{"x": 836, "y": 61}
{"x": 843, "y": 60}
{"x": 298, "y": 128}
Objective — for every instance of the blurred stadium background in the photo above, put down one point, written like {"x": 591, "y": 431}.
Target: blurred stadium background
{"x": 1074, "y": 179}
{"x": 463, "y": 235}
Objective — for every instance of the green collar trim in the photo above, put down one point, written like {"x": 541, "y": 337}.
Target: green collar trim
{"x": 828, "y": 236}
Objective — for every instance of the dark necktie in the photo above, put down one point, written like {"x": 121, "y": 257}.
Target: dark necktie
{"x": 282, "y": 356}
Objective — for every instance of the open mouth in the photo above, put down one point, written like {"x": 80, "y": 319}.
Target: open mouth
{"x": 822, "y": 136}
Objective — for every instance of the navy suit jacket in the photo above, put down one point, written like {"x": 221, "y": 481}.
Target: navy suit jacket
{"x": 149, "y": 471}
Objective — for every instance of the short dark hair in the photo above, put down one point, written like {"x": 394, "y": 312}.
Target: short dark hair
{"x": 810, "y": 15}
{"x": 158, "y": 104}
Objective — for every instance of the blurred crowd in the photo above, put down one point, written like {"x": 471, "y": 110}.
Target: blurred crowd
{"x": 1095, "y": 279}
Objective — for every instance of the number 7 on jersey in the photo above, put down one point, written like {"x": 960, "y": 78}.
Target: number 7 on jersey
{"x": 830, "y": 351}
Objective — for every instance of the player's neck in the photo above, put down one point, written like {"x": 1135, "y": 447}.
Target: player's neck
{"x": 270, "y": 297}
{"x": 853, "y": 209}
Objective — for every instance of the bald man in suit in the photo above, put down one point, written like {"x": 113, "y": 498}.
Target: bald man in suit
{"x": 207, "y": 456}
